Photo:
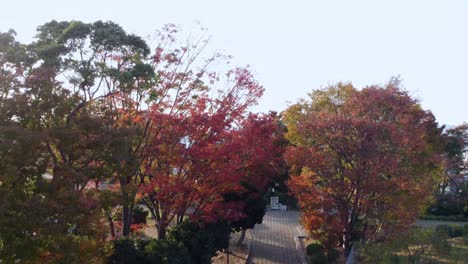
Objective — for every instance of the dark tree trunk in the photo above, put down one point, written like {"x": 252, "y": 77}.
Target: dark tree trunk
{"x": 242, "y": 237}
{"x": 111, "y": 224}
{"x": 162, "y": 230}
{"x": 126, "y": 220}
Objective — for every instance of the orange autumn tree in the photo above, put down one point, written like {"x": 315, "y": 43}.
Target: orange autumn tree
{"x": 259, "y": 155}
{"x": 198, "y": 161}
{"x": 190, "y": 132}
{"x": 362, "y": 163}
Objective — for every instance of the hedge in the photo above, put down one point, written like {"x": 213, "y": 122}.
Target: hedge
{"x": 455, "y": 218}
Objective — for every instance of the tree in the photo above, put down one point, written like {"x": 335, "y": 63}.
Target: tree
{"x": 261, "y": 161}
{"x": 76, "y": 81}
{"x": 90, "y": 107}
{"x": 192, "y": 134}
{"x": 363, "y": 163}
{"x": 45, "y": 216}
{"x": 451, "y": 196}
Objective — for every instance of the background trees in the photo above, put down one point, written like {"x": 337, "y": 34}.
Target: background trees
{"x": 451, "y": 196}
{"x": 363, "y": 163}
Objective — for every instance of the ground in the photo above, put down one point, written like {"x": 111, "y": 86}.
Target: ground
{"x": 274, "y": 239}
{"x": 237, "y": 255}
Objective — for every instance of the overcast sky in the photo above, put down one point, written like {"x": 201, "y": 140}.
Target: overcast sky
{"x": 296, "y": 46}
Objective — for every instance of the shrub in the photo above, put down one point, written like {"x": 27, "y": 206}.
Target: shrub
{"x": 139, "y": 215}
{"x": 316, "y": 253}
{"x": 124, "y": 252}
{"x": 332, "y": 255}
{"x": 458, "y": 218}
{"x": 442, "y": 229}
{"x": 166, "y": 252}
{"x": 416, "y": 243}
{"x": 456, "y": 231}
{"x": 465, "y": 233}
{"x": 141, "y": 244}
{"x": 201, "y": 241}
{"x": 439, "y": 240}
{"x": 450, "y": 231}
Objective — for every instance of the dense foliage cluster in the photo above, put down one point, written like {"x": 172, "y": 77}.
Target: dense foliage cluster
{"x": 363, "y": 163}
{"x": 94, "y": 121}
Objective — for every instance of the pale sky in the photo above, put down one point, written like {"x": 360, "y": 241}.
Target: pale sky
{"x": 296, "y": 46}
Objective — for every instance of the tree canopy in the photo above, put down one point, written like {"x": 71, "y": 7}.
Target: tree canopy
{"x": 363, "y": 162}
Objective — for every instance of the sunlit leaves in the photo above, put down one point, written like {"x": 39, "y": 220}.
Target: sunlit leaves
{"x": 362, "y": 162}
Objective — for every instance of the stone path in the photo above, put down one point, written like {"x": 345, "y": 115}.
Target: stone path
{"x": 274, "y": 239}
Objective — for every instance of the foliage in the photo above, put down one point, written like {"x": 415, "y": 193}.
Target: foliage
{"x": 42, "y": 220}
{"x": 316, "y": 253}
{"x": 254, "y": 208}
{"x": 125, "y": 252}
{"x": 166, "y": 252}
{"x": 201, "y": 241}
{"x": 363, "y": 163}
{"x": 186, "y": 243}
{"x": 139, "y": 215}
{"x": 414, "y": 245}
{"x": 91, "y": 119}
{"x": 261, "y": 162}
{"x": 194, "y": 134}
{"x": 439, "y": 240}
{"x": 451, "y": 196}
{"x": 451, "y": 231}
{"x": 465, "y": 234}
{"x": 459, "y": 218}
{"x": 418, "y": 245}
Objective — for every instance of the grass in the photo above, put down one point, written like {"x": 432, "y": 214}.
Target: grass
{"x": 457, "y": 254}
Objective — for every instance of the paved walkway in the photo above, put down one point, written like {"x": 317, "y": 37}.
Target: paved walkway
{"x": 274, "y": 239}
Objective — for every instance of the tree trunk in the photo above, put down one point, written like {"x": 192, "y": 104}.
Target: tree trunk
{"x": 111, "y": 224}
{"x": 346, "y": 245}
{"x": 242, "y": 237}
{"x": 126, "y": 220}
{"x": 347, "y": 241}
{"x": 162, "y": 230}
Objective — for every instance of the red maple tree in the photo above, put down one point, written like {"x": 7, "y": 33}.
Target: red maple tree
{"x": 362, "y": 162}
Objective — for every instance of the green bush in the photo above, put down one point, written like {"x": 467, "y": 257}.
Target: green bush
{"x": 450, "y": 231}
{"x": 139, "y": 215}
{"x": 141, "y": 244}
{"x": 201, "y": 241}
{"x": 332, "y": 255}
{"x": 124, "y": 252}
{"x": 316, "y": 253}
{"x": 416, "y": 243}
{"x": 457, "y": 218}
{"x": 465, "y": 233}
{"x": 188, "y": 242}
{"x": 456, "y": 231}
{"x": 442, "y": 229}
{"x": 439, "y": 240}
{"x": 166, "y": 252}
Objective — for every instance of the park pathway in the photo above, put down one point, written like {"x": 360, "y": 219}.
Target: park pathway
{"x": 274, "y": 239}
